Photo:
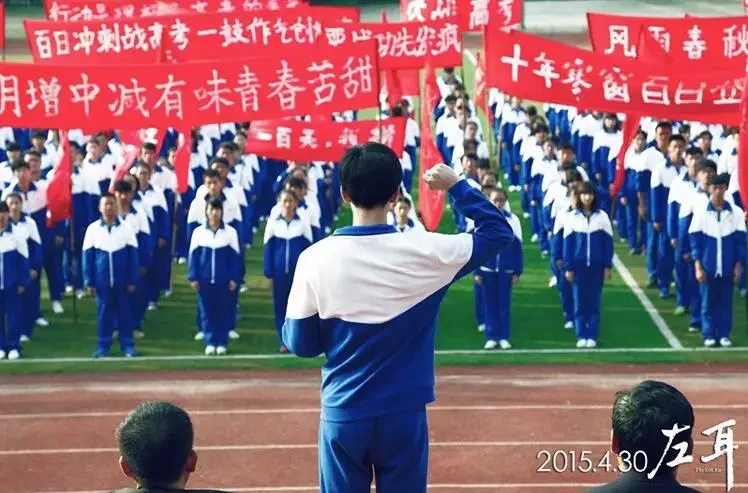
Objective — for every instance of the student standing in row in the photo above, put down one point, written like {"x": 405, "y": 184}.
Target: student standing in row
{"x": 14, "y": 277}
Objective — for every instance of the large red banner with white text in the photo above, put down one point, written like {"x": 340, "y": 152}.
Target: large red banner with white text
{"x": 472, "y": 15}
{"x": 404, "y": 45}
{"x": 321, "y": 140}
{"x": 188, "y": 93}
{"x": 536, "y": 68}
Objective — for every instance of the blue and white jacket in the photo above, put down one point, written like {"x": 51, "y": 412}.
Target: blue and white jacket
{"x": 14, "y": 259}
{"x": 603, "y": 143}
{"x": 138, "y": 221}
{"x": 101, "y": 170}
{"x": 232, "y": 214}
{"x": 411, "y": 225}
{"x": 110, "y": 255}
{"x": 694, "y": 199}
{"x": 214, "y": 256}
{"x": 27, "y": 230}
{"x": 718, "y": 239}
{"x": 375, "y": 319}
{"x": 588, "y": 241}
{"x": 511, "y": 260}
{"x": 681, "y": 190}
{"x": 284, "y": 242}
{"x": 663, "y": 177}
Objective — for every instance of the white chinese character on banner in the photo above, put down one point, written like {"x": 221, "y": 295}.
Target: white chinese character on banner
{"x": 9, "y": 96}
{"x": 272, "y": 5}
{"x": 414, "y": 11}
{"x": 348, "y": 137}
{"x": 84, "y": 14}
{"x": 56, "y": 14}
{"x": 724, "y": 444}
{"x": 171, "y": 97}
{"x": 62, "y": 41}
{"x": 109, "y": 40}
{"x": 201, "y": 7}
{"x": 85, "y": 40}
{"x": 547, "y": 70}
{"x": 478, "y": 14}
{"x": 694, "y": 46}
{"x": 361, "y": 35}
{"x": 619, "y": 36}
{"x": 661, "y": 35}
{"x": 357, "y": 76}
{"x": 448, "y": 39}
{"x": 655, "y": 91}
{"x": 444, "y": 9}
{"x": 49, "y": 94}
{"x": 178, "y": 33}
{"x": 386, "y": 41}
{"x": 307, "y": 138}
{"x": 689, "y": 96}
{"x": 384, "y": 134}
{"x": 43, "y": 44}
{"x": 214, "y": 93}
{"x": 304, "y": 30}
{"x": 281, "y": 28}
{"x": 735, "y": 41}
{"x": 248, "y": 89}
{"x": 335, "y": 35}
{"x": 126, "y": 12}
{"x": 505, "y": 8}
{"x": 616, "y": 86}
{"x": 729, "y": 91}
{"x": 286, "y": 87}
{"x": 576, "y": 71}
{"x": 128, "y": 98}
{"x": 423, "y": 40}
{"x": 515, "y": 61}
{"x": 324, "y": 89}
{"x": 283, "y": 137}
{"x": 250, "y": 5}
{"x": 133, "y": 37}
{"x": 156, "y": 31}
{"x": 226, "y": 6}
{"x": 259, "y": 31}
{"x": 85, "y": 93}
{"x": 233, "y": 33}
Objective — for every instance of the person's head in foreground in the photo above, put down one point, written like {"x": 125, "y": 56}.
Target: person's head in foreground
{"x": 155, "y": 444}
{"x": 370, "y": 177}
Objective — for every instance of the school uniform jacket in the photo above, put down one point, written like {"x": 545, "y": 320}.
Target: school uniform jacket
{"x": 284, "y": 242}
{"x": 718, "y": 239}
{"x": 681, "y": 190}
{"x": 232, "y": 214}
{"x": 214, "y": 256}
{"x": 588, "y": 241}
{"x": 110, "y": 255}
{"x": 138, "y": 221}
{"x": 511, "y": 260}
{"x": 411, "y": 225}
{"x": 663, "y": 177}
{"x": 28, "y": 232}
{"x": 14, "y": 259}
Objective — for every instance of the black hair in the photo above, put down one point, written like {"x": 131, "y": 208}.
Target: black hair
{"x": 469, "y": 143}
{"x": 289, "y": 193}
{"x": 229, "y": 146}
{"x": 472, "y": 122}
{"x": 34, "y": 153}
{"x": 677, "y": 138}
{"x": 13, "y": 147}
{"x": 483, "y": 164}
{"x": 588, "y": 187}
{"x": 450, "y": 98}
{"x": 397, "y": 111}
{"x": 491, "y": 173}
{"x": 148, "y": 146}
{"x": 641, "y": 414}
{"x": 122, "y": 186}
{"x": 664, "y": 124}
{"x": 642, "y": 133}
{"x": 156, "y": 441}
{"x": 14, "y": 195}
{"x": 708, "y": 164}
{"x": 370, "y": 174}
{"x": 93, "y": 140}
{"x": 211, "y": 173}
{"x": 220, "y": 161}
{"x": 706, "y": 134}
{"x": 404, "y": 200}
{"x": 214, "y": 204}
{"x": 566, "y": 147}
{"x": 4, "y": 208}
{"x": 106, "y": 195}
{"x": 18, "y": 164}
{"x": 531, "y": 111}
{"x": 470, "y": 155}
{"x": 39, "y": 135}
{"x": 573, "y": 175}
{"x": 540, "y": 127}
{"x": 720, "y": 179}
{"x": 294, "y": 182}
{"x": 142, "y": 164}
{"x": 501, "y": 191}
{"x": 694, "y": 151}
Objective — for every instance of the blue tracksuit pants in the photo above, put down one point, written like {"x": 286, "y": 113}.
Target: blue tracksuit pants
{"x": 408, "y": 179}
{"x": 281, "y": 291}
{"x": 52, "y": 263}
{"x": 716, "y": 307}
{"x": 636, "y": 226}
{"x": 665, "y": 262}
{"x": 114, "y": 308}
{"x": 682, "y": 293}
{"x": 694, "y": 294}
{"x": 161, "y": 270}
{"x": 10, "y": 320}
{"x": 216, "y": 313}
{"x": 29, "y": 301}
{"x": 394, "y": 449}
{"x": 479, "y": 301}
{"x": 621, "y": 218}
{"x": 653, "y": 244}
{"x": 587, "y": 288}
{"x": 140, "y": 297}
{"x": 497, "y": 294}
{"x": 566, "y": 294}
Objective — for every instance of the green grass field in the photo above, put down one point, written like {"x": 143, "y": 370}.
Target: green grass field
{"x": 628, "y": 334}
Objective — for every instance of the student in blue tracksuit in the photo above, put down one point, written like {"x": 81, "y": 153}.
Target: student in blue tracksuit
{"x": 214, "y": 271}
{"x": 110, "y": 271}
{"x": 14, "y": 277}
{"x": 286, "y": 236}
{"x": 718, "y": 243}
{"x": 498, "y": 275}
{"x": 367, "y": 297}
{"x": 401, "y": 217}
{"x": 633, "y": 163}
{"x": 26, "y": 229}
{"x": 588, "y": 262}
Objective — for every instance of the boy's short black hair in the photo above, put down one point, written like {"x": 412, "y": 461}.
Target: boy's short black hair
{"x": 708, "y": 164}
{"x": 664, "y": 124}
{"x": 294, "y": 182}
{"x": 370, "y": 174}
{"x": 4, "y": 209}
{"x": 214, "y": 204}
{"x": 502, "y": 192}
{"x": 531, "y": 111}
{"x": 573, "y": 175}
{"x": 229, "y": 146}
{"x": 18, "y": 164}
{"x": 289, "y": 193}
{"x": 39, "y": 135}
{"x": 677, "y": 138}
{"x": 13, "y": 147}
{"x": 148, "y": 146}
{"x": 450, "y": 98}
{"x": 706, "y": 134}
{"x": 566, "y": 147}
{"x": 471, "y": 156}
{"x": 404, "y": 200}
{"x": 106, "y": 195}
{"x": 32, "y": 152}
{"x": 13, "y": 195}
{"x": 483, "y": 164}
{"x": 211, "y": 173}
{"x": 220, "y": 161}
{"x": 156, "y": 441}
{"x": 720, "y": 179}
{"x": 694, "y": 151}
{"x": 122, "y": 186}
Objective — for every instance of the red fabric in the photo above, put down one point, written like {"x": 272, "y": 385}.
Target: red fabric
{"x": 182, "y": 159}
{"x": 410, "y": 81}
{"x": 630, "y": 127}
{"x": 743, "y": 149}
{"x": 131, "y": 142}
{"x": 175, "y": 95}
{"x": 535, "y": 68}
{"x": 391, "y": 78}
{"x": 471, "y": 15}
{"x": 430, "y": 202}
{"x": 481, "y": 91}
{"x": 59, "y": 190}
{"x": 320, "y": 140}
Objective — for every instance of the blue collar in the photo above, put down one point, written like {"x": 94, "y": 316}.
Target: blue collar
{"x": 294, "y": 218}
{"x": 17, "y": 187}
{"x": 374, "y": 229}
{"x": 220, "y": 227}
{"x": 8, "y": 228}
{"x": 725, "y": 208}
{"x": 115, "y": 224}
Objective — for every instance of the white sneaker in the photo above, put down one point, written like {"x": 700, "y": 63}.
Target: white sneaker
{"x": 591, "y": 343}
{"x": 13, "y": 354}
{"x": 138, "y": 334}
{"x": 504, "y": 344}
{"x": 199, "y": 336}
{"x": 569, "y": 325}
{"x": 42, "y": 322}
{"x": 25, "y": 338}
{"x": 243, "y": 289}
{"x": 552, "y": 282}
{"x": 68, "y": 289}
{"x": 57, "y": 308}
{"x": 182, "y": 261}
{"x": 490, "y": 345}
{"x": 725, "y": 342}
{"x": 581, "y": 343}
{"x": 526, "y": 215}
{"x": 233, "y": 334}
{"x": 709, "y": 342}
{"x": 2, "y": 354}
{"x": 534, "y": 239}
{"x": 694, "y": 329}
{"x": 221, "y": 350}
{"x": 80, "y": 294}
{"x": 167, "y": 293}
{"x": 210, "y": 350}
{"x": 152, "y": 307}
{"x": 481, "y": 328}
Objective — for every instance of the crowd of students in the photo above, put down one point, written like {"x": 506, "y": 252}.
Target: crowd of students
{"x": 679, "y": 205}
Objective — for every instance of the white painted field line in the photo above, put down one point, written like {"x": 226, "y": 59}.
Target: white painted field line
{"x": 439, "y": 486}
{"x": 315, "y": 410}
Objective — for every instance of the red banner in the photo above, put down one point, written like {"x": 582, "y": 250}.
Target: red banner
{"x": 536, "y": 68}
{"x": 742, "y": 170}
{"x": 175, "y": 95}
{"x": 472, "y": 15}
{"x": 716, "y": 41}
{"x": 186, "y": 37}
{"x": 430, "y": 202}
{"x": 59, "y": 192}
{"x": 404, "y": 45}
{"x": 320, "y": 140}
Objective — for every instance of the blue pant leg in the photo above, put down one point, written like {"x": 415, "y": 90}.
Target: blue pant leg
{"x": 480, "y": 300}
{"x": 593, "y": 298}
{"x": 726, "y": 288}
{"x": 634, "y": 223}
{"x": 665, "y": 262}
{"x": 682, "y": 294}
{"x": 401, "y": 453}
{"x": 652, "y": 248}
{"x": 490, "y": 298}
{"x": 622, "y": 218}
{"x": 123, "y": 312}
{"x": 281, "y": 291}
{"x": 52, "y": 262}
{"x": 13, "y": 313}
{"x": 28, "y": 302}
{"x": 708, "y": 302}
{"x": 524, "y": 198}
{"x": 506, "y": 162}
{"x": 67, "y": 266}
{"x": 567, "y": 296}
{"x": 181, "y": 247}
{"x": 580, "y": 313}
{"x": 106, "y": 302}
{"x": 345, "y": 456}
{"x": 535, "y": 219}
{"x": 227, "y": 312}
{"x": 694, "y": 295}
{"x": 201, "y": 313}
{"x": 504, "y": 304}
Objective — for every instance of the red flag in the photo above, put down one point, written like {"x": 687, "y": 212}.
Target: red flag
{"x": 630, "y": 127}
{"x": 131, "y": 142}
{"x": 481, "y": 91}
{"x": 742, "y": 170}
{"x": 182, "y": 159}
{"x": 430, "y": 202}
{"x": 392, "y": 79}
{"x": 59, "y": 190}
